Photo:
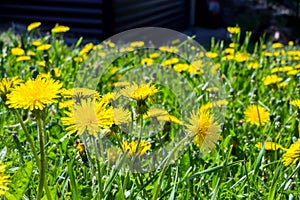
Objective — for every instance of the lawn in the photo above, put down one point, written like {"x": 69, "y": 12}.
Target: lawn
{"x": 145, "y": 119}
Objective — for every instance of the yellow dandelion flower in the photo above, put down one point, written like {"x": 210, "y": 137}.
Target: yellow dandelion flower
{"x": 228, "y": 57}
{"x": 155, "y": 112}
{"x": 253, "y": 65}
{"x": 137, "y": 44}
{"x": 83, "y": 118}
{"x": 176, "y": 41}
{"x": 23, "y": 58}
{"x": 34, "y": 94}
{"x": 229, "y": 50}
{"x": 31, "y": 53}
{"x": 267, "y": 54}
{"x": 86, "y": 49}
{"x": 169, "y": 62}
{"x": 234, "y": 30}
{"x": 271, "y": 79}
{"x": 154, "y": 55}
{"x": 108, "y": 97}
{"x": 109, "y": 43}
{"x": 270, "y": 146}
{"x": 215, "y": 67}
{"x": 43, "y": 47}
{"x": 33, "y": 25}
{"x": 120, "y": 115}
{"x": 7, "y": 84}
{"x": 126, "y": 49}
{"x": 60, "y": 29}
{"x": 296, "y": 103}
{"x": 78, "y": 59}
{"x": 36, "y": 43}
{"x": 41, "y": 63}
{"x": 256, "y": 115}
{"x": 293, "y": 72}
{"x": 4, "y": 179}
{"x": 114, "y": 70}
{"x": 277, "y": 45}
{"x": 170, "y": 49}
{"x": 88, "y": 116}
{"x": 204, "y": 129}
{"x": 101, "y": 54}
{"x": 194, "y": 70}
{"x": 275, "y": 69}
{"x": 147, "y": 61}
{"x": 201, "y": 54}
{"x": 161, "y": 115}
{"x": 139, "y": 93}
{"x": 241, "y": 56}
{"x": 98, "y": 47}
{"x": 65, "y": 104}
{"x": 292, "y": 154}
{"x": 210, "y": 54}
{"x": 193, "y": 48}
{"x": 79, "y": 94}
{"x": 210, "y": 105}
{"x": 297, "y": 66}
{"x": 181, "y": 67}
{"x": 136, "y": 147}
{"x": 233, "y": 45}
{"x": 122, "y": 84}
{"x": 104, "y": 114}
{"x": 212, "y": 89}
{"x": 282, "y": 85}
{"x": 171, "y": 118}
{"x": 196, "y": 67}
{"x": 291, "y": 43}
{"x": 286, "y": 68}
{"x": 206, "y": 107}
{"x": 277, "y": 54}
{"x": 197, "y": 63}
{"x": 17, "y": 51}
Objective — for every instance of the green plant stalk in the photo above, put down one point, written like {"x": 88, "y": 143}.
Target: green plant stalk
{"x": 46, "y": 159}
{"x": 221, "y": 174}
{"x": 31, "y": 144}
{"x": 99, "y": 171}
{"x": 43, "y": 164}
{"x": 142, "y": 184}
{"x": 139, "y": 178}
{"x": 157, "y": 187}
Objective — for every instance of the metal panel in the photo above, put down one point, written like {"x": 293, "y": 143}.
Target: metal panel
{"x": 82, "y": 16}
{"x": 163, "y": 13}
{"x": 97, "y": 18}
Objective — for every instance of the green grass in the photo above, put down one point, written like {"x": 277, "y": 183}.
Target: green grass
{"x": 234, "y": 169}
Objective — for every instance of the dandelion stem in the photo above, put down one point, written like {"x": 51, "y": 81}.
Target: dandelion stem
{"x": 98, "y": 168}
{"x": 43, "y": 163}
{"x": 31, "y": 144}
{"x": 46, "y": 160}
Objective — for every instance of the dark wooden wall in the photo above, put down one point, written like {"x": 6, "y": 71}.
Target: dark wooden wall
{"x": 97, "y": 18}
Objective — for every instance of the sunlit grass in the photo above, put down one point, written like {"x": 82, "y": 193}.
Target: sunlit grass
{"x": 58, "y": 142}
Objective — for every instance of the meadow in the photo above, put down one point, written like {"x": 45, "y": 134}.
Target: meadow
{"x": 131, "y": 120}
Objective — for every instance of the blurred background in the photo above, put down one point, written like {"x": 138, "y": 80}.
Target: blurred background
{"x": 96, "y": 20}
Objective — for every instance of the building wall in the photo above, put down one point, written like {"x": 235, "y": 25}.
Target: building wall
{"x": 97, "y": 18}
